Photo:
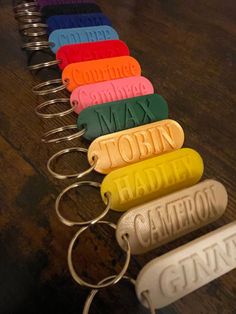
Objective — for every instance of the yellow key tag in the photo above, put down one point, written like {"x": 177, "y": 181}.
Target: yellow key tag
{"x": 152, "y": 178}
{"x": 126, "y": 147}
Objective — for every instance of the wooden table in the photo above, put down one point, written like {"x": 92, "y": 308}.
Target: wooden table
{"x": 187, "y": 50}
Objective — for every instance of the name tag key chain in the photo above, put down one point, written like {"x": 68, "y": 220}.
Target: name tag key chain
{"x": 142, "y": 182}
{"x": 75, "y": 35}
{"x": 57, "y": 22}
{"x": 93, "y": 50}
{"x": 88, "y": 72}
{"x": 112, "y": 151}
{"x": 182, "y": 168}
{"x": 26, "y": 16}
{"x": 96, "y": 94}
{"x": 181, "y": 271}
{"x": 36, "y": 6}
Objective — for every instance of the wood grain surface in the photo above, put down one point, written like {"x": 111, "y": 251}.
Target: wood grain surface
{"x": 187, "y": 49}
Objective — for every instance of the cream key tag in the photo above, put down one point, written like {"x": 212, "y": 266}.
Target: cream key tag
{"x": 181, "y": 271}
{"x": 165, "y": 219}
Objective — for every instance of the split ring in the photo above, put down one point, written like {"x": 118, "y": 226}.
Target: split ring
{"x": 63, "y": 138}
{"x": 73, "y": 175}
{"x": 108, "y": 283}
{"x": 93, "y": 293}
{"x": 71, "y": 223}
{"x": 53, "y": 115}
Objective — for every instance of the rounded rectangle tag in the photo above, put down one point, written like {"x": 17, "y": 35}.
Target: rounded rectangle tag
{"x": 123, "y": 114}
{"x": 91, "y": 51}
{"x": 77, "y": 35}
{"x": 177, "y": 273}
{"x": 152, "y": 178}
{"x": 69, "y": 8}
{"x": 44, "y": 3}
{"x": 109, "y": 91}
{"x": 76, "y": 20}
{"x": 123, "y": 148}
{"x": 88, "y": 72}
{"x": 165, "y": 219}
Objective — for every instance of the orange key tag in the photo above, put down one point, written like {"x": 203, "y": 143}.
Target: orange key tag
{"x": 88, "y": 72}
{"x": 119, "y": 149}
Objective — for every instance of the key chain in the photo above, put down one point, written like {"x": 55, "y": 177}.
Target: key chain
{"x": 64, "y": 21}
{"x": 173, "y": 275}
{"x": 109, "y": 91}
{"x": 144, "y": 281}
{"x": 67, "y": 36}
{"x": 93, "y": 293}
{"x": 218, "y": 207}
{"x": 39, "y": 4}
{"x": 112, "y": 117}
{"x": 51, "y": 10}
{"x": 88, "y": 72}
{"x": 116, "y": 150}
{"x": 165, "y": 219}
{"x": 141, "y": 182}
{"x": 85, "y": 52}
{"x": 181, "y": 271}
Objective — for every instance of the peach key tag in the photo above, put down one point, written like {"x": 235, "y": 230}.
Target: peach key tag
{"x": 119, "y": 149}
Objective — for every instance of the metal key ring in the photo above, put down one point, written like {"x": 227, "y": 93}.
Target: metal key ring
{"x": 65, "y": 151}
{"x": 34, "y": 44}
{"x": 111, "y": 282}
{"x": 51, "y": 102}
{"x": 63, "y": 138}
{"x": 25, "y": 5}
{"x": 27, "y": 13}
{"x": 37, "y": 89}
{"x": 72, "y": 223}
{"x": 93, "y": 293}
{"x": 32, "y": 25}
{"x": 29, "y": 20}
{"x": 43, "y": 65}
{"x": 25, "y": 27}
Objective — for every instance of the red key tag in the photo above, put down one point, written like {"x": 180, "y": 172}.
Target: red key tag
{"x": 85, "y": 52}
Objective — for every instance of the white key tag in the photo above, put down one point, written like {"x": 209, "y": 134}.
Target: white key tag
{"x": 181, "y": 271}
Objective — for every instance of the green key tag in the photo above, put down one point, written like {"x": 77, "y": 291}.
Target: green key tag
{"x": 120, "y": 115}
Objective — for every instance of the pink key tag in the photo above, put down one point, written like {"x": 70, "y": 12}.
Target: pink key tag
{"x": 108, "y": 91}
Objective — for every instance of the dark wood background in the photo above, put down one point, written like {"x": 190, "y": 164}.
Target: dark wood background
{"x": 187, "y": 49}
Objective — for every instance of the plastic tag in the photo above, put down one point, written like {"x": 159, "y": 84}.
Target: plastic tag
{"x": 173, "y": 275}
{"x": 122, "y": 148}
{"x": 44, "y": 3}
{"x": 91, "y": 51}
{"x": 120, "y": 115}
{"x": 152, "y": 178}
{"x": 109, "y": 91}
{"x": 67, "y": 36}
{"x": 158, "y": 222}
{"x": 76, "y": 20}
{"x": 88, "y": 72}
{"x": 69, "y": 8}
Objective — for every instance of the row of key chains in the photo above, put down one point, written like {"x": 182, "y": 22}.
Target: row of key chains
{"x": 149, "y": 178}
